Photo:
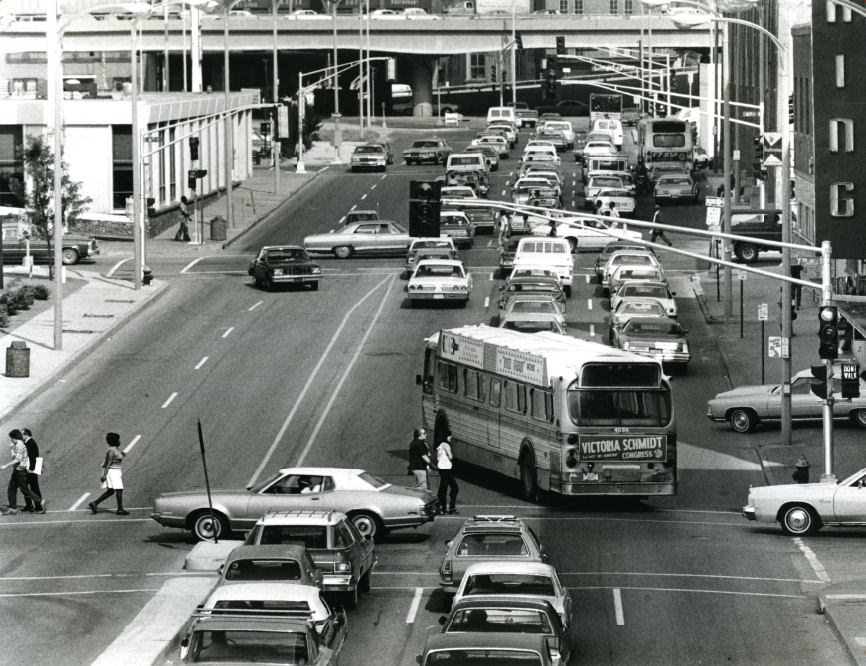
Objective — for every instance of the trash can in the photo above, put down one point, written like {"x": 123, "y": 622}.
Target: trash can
{"x": 218, "y": 228}
{"x": 18, "y": 359}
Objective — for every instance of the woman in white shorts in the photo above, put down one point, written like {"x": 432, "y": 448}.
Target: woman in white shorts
{"x": 112, "y": 475}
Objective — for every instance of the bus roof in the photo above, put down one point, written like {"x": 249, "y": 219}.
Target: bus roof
{"x": 533, "y": 357}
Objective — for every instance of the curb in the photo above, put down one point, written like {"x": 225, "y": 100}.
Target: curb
{"x": 710, "y": 319}
{"x": 854, "y": 650}
{"x": 87, "y": 349}
{"x": 267, "y": 215}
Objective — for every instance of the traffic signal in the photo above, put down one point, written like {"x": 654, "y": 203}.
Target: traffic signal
{"x": 518, "y": 41}
{"x": 828, "y": 332}
{"x": 551, "y": 64}
{"x": 193, "y": 148}
{"x": 191, "y": 182}
{"x": 819, "y": 383}
{"x": 560, "y": 45}
{"x": 850, "y": 380}
{"x": 424, "y": 208}
{"x": 758, "y": 157}
{"x": 265, "y": 128}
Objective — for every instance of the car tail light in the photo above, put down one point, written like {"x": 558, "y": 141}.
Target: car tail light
{"x": 446, "y": 570}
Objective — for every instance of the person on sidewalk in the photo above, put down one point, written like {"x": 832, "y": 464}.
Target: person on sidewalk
{"x": 447, "y": 482}
{"x": 112, "y": 475}
{"x": 656, "y": 232}
{"x": 32, "y": 472}
{"x": 419, "y": 457}
{"x": 183, "y": 230}
{"x": 18, "y": 480}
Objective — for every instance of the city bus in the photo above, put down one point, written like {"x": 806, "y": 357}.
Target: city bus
{"x": 605, "y": 105}
{"x": 559, "y": 414}
{"x": 665, "y": 140}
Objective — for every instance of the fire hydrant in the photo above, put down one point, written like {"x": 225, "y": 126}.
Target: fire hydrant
{"x": 801, "y": 470}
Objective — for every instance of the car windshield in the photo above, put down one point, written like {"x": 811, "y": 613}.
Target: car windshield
{"x": 369, "y": 149}
{"x": 481, "y": 656}
{"x": 309, "y": 536}
{"x": 605, "y": 182}
{"x": 628, "y": 274}
{"x": 510, "y": 583}
{"x": 648, "y": 291}
{"x": 430, "y": 242}
{"x": 543, "y": 247}
{"x": 491, "y": 545}
{"x": 365, "y": 217}
{"x": 438, "y": 270}
{"x": 463, "y": 161}
{"x": 636, "y": 259}
{"x": 454, "y": 220}
{"x": 614, "y": 193}
{"x": 652, "y": 328}
{"x": 286, "y": 254}
{"x": 251, "y": 647}
{"x": 506, "y": 620}
{"x": 621, "y": 406}
{"x": 263, "y": 569}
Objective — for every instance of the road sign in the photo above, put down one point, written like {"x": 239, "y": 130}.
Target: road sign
{"x": 714, "y": 217}
{"x": 741, "y": 274}
{"x": 714, "y": 202}
{"x": 774, "y": 346}
{"x": 763, "y": 312}
{"x": 772, "y": 149}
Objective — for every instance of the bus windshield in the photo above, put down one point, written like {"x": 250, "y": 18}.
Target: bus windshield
{"x": 619, "y": 407}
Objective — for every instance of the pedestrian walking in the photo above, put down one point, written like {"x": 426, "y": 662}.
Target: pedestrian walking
{"x": 183, "y": 230}
{"x": 801, "y": 470}
{"x": 18, "y": 481}
{"x": 34, "y": 468}
{"x": 419, "y": 457}
{"x": 612, "y": 212}
{"x": 112, "y": 475}
{"x": 599, "y": 207}
{"x": 504, "y": 229}
{"x": 552, "y": 229}
{"x": 656, "y": 232}
{"x": 447, "y": 482}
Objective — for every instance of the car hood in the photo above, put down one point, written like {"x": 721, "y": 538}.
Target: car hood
{"x": 223, "y": 493}
{"x": 743, "y": 392}
{"x": 803, "y": 491}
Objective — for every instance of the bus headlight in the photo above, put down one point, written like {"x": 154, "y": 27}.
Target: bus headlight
{"x": 571, "y": 458}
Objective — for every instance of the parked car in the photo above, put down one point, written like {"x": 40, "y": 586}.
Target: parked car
{"x": 360, "y": 216}
{"x": 380, "y": 237}
{"x": 371, "y": 156}
{"x": 284, "y": 264}
{"x": 440, "y": 280}
{"x": 483, "y": 615}
{"x": 515, "y": 580}
{"x": 565, "y": 107}
{"x": 804, "y": 508}
{"x": 457, "y": 225}
{"x": 290, "y": 563}
{"x": 486, "y": 649}
{"x": 675, "y": 187}
{"x": 343, "y": 558}
{"x": 661, "y": 338}
{"x": 16, "y": 234}
{"x": 373, "y": 506}
{"x": 427, "y": 150}
{"x": 745, "y": 407}
{"x": 656, "y": 290}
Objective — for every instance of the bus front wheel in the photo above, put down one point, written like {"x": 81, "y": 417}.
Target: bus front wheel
{"x": 528, "y": 477}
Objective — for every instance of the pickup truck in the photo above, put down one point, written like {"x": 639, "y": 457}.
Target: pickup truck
{"x": 758, "y": 223}
{"x": 15, "y": 246}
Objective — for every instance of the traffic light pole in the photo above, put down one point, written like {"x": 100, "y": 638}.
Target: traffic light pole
{"x": 826, "y": 299}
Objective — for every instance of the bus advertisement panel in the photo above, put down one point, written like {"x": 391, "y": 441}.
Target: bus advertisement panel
{"x": 605, "y": 105}
{"x": 559, "y": 414}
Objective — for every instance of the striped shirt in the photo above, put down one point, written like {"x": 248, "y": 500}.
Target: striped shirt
{"x": 19, "y": 453}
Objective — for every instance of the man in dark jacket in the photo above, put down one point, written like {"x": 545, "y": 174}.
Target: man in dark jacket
{"x": 32, "y": 476}
{"x": 419, "y": 457}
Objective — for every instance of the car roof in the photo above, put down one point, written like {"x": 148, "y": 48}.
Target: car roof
{"x": 650, "y": 283}
{"x": 496, "y": 521}
{"x": 267, "y": 551}
{"x": 266, "y": 591}
{"x": 283, "y": 247}
{"x": 323, "y": 471}
{"x": 532, "y": 568}
{"x": 440, "y": 262}
{"x": 301, "y": 517}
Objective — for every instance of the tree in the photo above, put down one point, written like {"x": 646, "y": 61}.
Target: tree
{"x": 39, "y": 197}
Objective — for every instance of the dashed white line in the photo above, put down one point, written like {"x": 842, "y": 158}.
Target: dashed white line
{"x": 228, "y": 332}
{"x": 413, "y": 607}
{"x": 373, "y": 186}
{"x": 503, "y": 193}
{"x": 587, "y": 278}
{"x": 190, "y": 265}
{"x": 324, "y": 168}
{"x": 486, "y": 302}
{"x": 592, "y": 330}
{"x": 491, "y": 277}
{"x": 254, "y": 306}
{"x": 79, "y": 502}
{"x": 169, "y": 401}
{"x": 363, "y": 196}
{"x": 136, "y": 439}
{"x": 382, "y": 177}
{"x": 617, "y": 607}
{"x": 589, "y": 304}
{"x": 812, "y": 559}
{"x": 490, "y": 243}
{"x": 353, "y": 207}
{"x": 201, "y": 363}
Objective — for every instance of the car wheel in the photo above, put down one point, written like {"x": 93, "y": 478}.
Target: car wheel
{"x": 69, "y": 256}
{"x": 269, "y": 285}
{"x": 367, "y": 524}
{"x": 528, "y": 477}
{"x": 343, "y": 252}
{"x": 799, "y": 520}
{"x": 742, "y": 420}
{"x": 746, "y": 252}
{"x": 207, "y": 525}
{"x": 314, "y": 286}
{"x": 351, "y": 598}
{"x": 364, "y": 582}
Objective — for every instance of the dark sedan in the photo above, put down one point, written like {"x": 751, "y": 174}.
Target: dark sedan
{"x": 427, "y": 150}
{"x": 284, "y": 264}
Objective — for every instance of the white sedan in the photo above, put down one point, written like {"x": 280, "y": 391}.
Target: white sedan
{"x": 440, "y": 280}
{"x": 586, "y": 233}
{"x": 803, "y": 508}
{"x": 598, "y": 149}
{"x": 495, "y": 140}
{"x": 658, "y": 291}
{"x": 622, "y": 200}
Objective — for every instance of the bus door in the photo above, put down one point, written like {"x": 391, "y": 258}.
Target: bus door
{"x": 494, "y": 400}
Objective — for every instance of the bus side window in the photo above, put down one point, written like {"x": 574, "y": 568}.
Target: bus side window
{"x": 542, "y": 405}
{"x": 447, "y": 377}
{"x": 548, "y": 406}
{"x": 495, "y": 392}
{"x": 470, "y": 384}
{"x": 515, "y": 397}
{"x": 480, "y": 379}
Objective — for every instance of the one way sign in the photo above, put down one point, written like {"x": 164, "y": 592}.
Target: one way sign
{"x": 772, "y": 149}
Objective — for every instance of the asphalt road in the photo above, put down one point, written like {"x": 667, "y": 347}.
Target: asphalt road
{"x": 328, "y": 378}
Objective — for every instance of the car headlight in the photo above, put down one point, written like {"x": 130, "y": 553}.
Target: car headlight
{"x": 344, "y": 567}
{"x": 316, "y": 270}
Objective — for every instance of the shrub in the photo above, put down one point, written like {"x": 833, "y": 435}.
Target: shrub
{"x": 40, "y": 292}
{"x": 4, "y": 316}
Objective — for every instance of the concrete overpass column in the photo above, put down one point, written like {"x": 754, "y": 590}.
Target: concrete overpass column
{"x": 422, "y": 84}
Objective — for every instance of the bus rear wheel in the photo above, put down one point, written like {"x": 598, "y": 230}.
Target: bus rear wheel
{"x": 528, "y": 478}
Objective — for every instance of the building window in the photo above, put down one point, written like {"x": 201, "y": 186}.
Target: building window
{"x": 578, "y": 6}
{"x": 614, "y": 6}
{"x": 629, "y": 7}
{"x": 478, "y": 66}
{"x": 832, "y": 8}
{"x": 845, "y": 127}
{"x": 840, "y": 70}
{"x": 121, "y": 165}
{"x": 841, "y": 201}
{"x": 11, "y": 163}
{"x": 563, "y": 7}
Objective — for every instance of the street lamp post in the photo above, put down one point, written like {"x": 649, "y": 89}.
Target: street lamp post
{"x": 275, "y": 98}
{"x": 338, "y": 138}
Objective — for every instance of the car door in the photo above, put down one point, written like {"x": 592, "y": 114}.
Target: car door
{"x": 282, "y": 495}
{"x": 804, "y": 403}
{"x": 849, "y": 502}
{"x": 365, "y": 237}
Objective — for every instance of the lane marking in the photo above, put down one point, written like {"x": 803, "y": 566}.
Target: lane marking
{"x": 345, "y": 375}
{"x": 324, "y": 168}
{"x": 413, "y": 607}
{"x": 201, "y": 363}
{"x": 351, "y": 209}
{"x": 190, "y": 265}
{"x": 363, "y": 196}
{"x": 135, "y": 440}
{"x": 486, "y": 302}
{"x": 491, "y": 277}
{"x": 113, "y": 269}
{"x": 157, "y": 574}
{"x": 254, "y": 306}
{"x": 309, "y": 382}
{"x": 77, "y": 504}
{"x": 170, "y": 398}
{"x": 373, "y": 186}
{"x": 701, "y": 591}
{"x": 812, "y": 559}
{"x": 641, "y": 574}
{"x": 490, "y": 243}
{"x": 228, "y": 332}
{"x": 589, "y": 304}
{"x": 77, "y": 594}
{"x": 382, "y": 177}
{"x": 587, "y": 278}
{"x": 617, "y": 607}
